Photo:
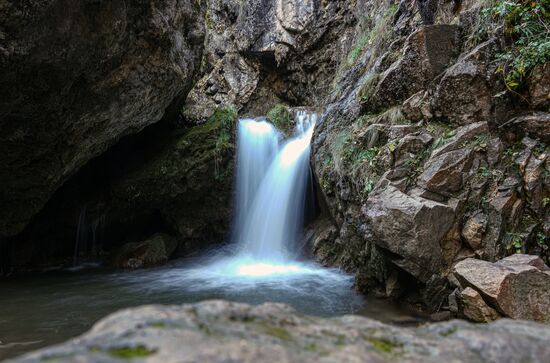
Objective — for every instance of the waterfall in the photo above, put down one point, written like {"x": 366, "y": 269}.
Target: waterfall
{"x": 263, "y": 262}
{"x": 269, "y": 226}
{"x": 258, "y": 143}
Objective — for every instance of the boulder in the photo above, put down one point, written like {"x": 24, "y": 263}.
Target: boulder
{"x": 536, "y": 125}
{"x": 474, "y": 308}
{"x": 461, "y": 136}
{"x": 219, "y": 331}
{"x": 444, "y": 173}
{"x": 516, "y": 289}
{"x": 409, "y": 227}
{"x": 474, "y": 229}
{"x": 464, "y": 95}
{"x": 153, "y": 251}
{"x": 75, "y": 77}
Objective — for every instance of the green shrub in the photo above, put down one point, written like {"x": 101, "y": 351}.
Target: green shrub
{"x": 526, "y": 28}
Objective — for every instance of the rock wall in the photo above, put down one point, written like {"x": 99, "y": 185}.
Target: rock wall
{"x": 261, "y": 53}
{"x": 425, "y": 157}
{"x": 76, "y": 76}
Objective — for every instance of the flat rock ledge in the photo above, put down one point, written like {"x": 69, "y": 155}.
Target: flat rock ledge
{"x": 220, "y": 331}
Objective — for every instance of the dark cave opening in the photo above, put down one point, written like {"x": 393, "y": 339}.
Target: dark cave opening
{"x": 75, "y": 222}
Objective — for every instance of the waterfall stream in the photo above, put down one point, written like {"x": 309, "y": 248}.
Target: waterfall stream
{"x": 275, "y": 210}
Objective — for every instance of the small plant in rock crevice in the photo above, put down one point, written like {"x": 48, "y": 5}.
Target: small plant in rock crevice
{"x": 514, "y": 242}
{"x": 224, "y": 119}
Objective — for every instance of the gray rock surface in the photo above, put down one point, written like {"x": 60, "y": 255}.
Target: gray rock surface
{"x": 218, "y": 331}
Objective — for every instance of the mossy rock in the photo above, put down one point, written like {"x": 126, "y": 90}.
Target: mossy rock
{"x": 281, "y": 117}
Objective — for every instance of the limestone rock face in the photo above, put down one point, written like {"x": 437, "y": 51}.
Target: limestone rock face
{"x": 261, "y": 53}
{"x": 75, "y": 76}
{"x": 189, "y": 182}
{"x": 218, "y": 331}
{"x": 514, "y": 285}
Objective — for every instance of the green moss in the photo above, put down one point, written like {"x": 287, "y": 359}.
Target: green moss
{"x": 126, "y": 352}
{"x": 384, "y": 345}
{"x": 448, "y": 332}
{"x": 164, "y": 325}
{"x": 366, "y": 91}
{"x": 57, "y": 356}
{"x": 313, "y": 348}
{"x": 278, "y": 332}
{"x": 281, "y": 117}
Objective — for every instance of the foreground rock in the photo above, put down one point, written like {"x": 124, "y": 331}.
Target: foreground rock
{"x": 517, "y": 286}
{"x": 219, "y": 331}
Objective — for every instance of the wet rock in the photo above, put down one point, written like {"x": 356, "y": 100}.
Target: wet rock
{"x": 444, "y": 174}
{"x": 464, "y": 95}
{"x": 150, "y": 252}
{"x": 76, "y": 78}
{"x": 474, "y": 308}
{"x": 474, "y": 230}
{"x": 409, "y": 227}
{"x": 218, "y": 331}
{"x": 515, "y": 289}
{"x": 539, "y": 86}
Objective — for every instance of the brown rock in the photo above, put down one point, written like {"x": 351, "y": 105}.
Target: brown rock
{"x": 539, "y": 86}
{"x": 474, "y": 229}
{"x": 443, "y": 174}
{"x": 410, "y": 227}
{"x": 464, "y": 96}
{"x": 523, "y": 259}
{"x": 536, "y": 125}
{"x": 518, "y": 291}
{"x": 474, "y": 308}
